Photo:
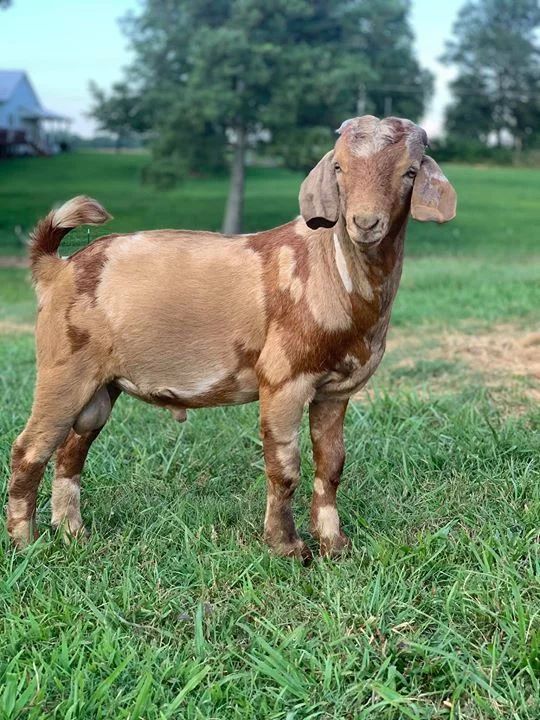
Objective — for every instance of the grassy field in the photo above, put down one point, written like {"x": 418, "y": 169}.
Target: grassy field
{"x": 174, "y": 608}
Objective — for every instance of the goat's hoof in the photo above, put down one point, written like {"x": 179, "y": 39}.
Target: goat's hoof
{"x": 334, "y": 546}
{"x": 23, "y": 533}
{"x": 295, "y": 549}
{"x": 70, "y": 532}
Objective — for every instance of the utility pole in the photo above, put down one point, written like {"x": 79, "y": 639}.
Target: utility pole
{"x": 361, "y": 100}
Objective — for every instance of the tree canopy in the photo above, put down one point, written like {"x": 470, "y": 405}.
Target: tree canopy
{"x": 497, "y": 90}
{"x": 213, "y": 78}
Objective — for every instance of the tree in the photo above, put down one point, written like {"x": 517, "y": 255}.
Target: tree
{"x": 399, "y": 85}
{"x": 119, "y": 113}
{"x": 497, "y": 89}
{"x": 374, "y": 35}
{"x": 216, "y": 77}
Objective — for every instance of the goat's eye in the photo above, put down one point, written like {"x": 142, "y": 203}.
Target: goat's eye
{"x": 337, "y": 167}
{"x": 411, "y": 173}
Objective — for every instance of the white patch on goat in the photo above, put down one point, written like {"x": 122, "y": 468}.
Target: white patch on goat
{"x": 66, "y": 499}
{"x": 127, "y": 386}
{"x": 193, "y": 388}
{"x": 328, "y": 521}
{"x": 22, "y": 532}
{"x": 18, "y": 508}
{"x": 342, "y": 265}
{"x": 288, "y": 458}
{"x": 197, "y": 387}
{"x": 36, "y": 455}
{"x": 300, "y": 227}
{"x": 368, "y": 135}
{"x": 318, "y": 486}
{"x": 269, "y": 509}
{"x": 344, "y": 125}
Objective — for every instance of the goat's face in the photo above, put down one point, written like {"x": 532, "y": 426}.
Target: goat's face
{"x": 376, "y": 173}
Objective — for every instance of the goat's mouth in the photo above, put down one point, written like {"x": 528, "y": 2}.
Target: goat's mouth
{"x": 368, "y": 236}
{"x": 366, "y": 239}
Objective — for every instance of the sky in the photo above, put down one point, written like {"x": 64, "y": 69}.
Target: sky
{"x": 63, "y": 44}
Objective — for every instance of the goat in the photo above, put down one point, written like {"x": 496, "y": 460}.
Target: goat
{"x": 292, "y": 316}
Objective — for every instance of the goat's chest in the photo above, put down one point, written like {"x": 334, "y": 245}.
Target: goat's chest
{"x": 351, "y": 373}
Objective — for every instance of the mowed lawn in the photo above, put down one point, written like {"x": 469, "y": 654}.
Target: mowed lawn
{"x": 174, "y": 608}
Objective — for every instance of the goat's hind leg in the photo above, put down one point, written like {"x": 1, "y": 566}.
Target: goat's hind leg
{"x": 70, "y": 459}
{"x": 60, "y": 396}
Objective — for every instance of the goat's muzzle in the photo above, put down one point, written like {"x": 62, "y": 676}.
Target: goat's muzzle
{"x": 367, "y": 228}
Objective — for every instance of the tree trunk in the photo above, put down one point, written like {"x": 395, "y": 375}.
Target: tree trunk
{"x": 232, "y": 223}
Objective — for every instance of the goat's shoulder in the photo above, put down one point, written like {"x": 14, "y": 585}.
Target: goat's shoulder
{"x": 291, "y": 233}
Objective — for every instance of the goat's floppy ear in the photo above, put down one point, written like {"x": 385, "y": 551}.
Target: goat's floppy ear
{"x": 319, "y": 196}
{"x": 433, "y": 198}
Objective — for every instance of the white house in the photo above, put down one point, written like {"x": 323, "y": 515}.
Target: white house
{"x": 26, "y": 127}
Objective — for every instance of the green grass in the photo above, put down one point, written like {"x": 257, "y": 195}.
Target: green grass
{"x": 174, "y": 608}
{"x": 29, "y": 187}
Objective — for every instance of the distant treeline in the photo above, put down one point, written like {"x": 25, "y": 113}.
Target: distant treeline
{"x": 466, "y": 150}
{"x": 103, "y": 141}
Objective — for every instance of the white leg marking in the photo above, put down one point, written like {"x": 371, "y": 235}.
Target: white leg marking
{"x": 328, "y": 521}
{"x": 18, "y": 507}
{"x": 318, "y": 486}
{"x": 66, "y": 501}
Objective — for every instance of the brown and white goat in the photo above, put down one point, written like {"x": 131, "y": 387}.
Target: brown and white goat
{"x": 292, "y": 316}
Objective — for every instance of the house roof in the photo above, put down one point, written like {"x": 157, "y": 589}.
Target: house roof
{"x": 9, "y": 79}
{"x": 43, "y": 114}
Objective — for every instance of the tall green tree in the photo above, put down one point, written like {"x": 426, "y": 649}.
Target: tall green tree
{"x": 497, "y": 89}
{"x": 374, "y": 38}
{"x": 399, "y": 85}
{"x": 217, "y": 77}
{"x": 120, "y": 112}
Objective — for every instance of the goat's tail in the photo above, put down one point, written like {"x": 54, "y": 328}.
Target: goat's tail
{"x": 48, "y": 233}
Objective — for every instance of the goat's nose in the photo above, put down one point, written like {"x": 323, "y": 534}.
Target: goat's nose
{"x": 367, "y": 221}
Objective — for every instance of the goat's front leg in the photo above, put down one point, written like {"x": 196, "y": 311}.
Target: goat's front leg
{"x": 326, "y": 425}
{"x": 281, "y": 414}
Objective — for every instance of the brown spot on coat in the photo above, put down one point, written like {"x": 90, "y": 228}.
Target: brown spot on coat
{"x": 88, "y": 264}
{"x": 71, "y": 455}
{"x": 25, "y": 477}
{"x": 77, "y": 337}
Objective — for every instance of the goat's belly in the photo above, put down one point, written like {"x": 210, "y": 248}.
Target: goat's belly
{"x": 233, "y": 388}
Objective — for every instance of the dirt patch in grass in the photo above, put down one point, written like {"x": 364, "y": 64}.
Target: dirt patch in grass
{"x": 13, "y": 261}
{"x": 503, "y": 350}
{"x": 8, "y": 327}
{"x": 505, "y": 358}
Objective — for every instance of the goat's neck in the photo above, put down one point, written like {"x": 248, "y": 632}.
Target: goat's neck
{"x": 377, "y": 268}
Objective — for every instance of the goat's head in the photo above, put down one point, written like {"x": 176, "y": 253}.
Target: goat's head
{"x": 376, "y": 173}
